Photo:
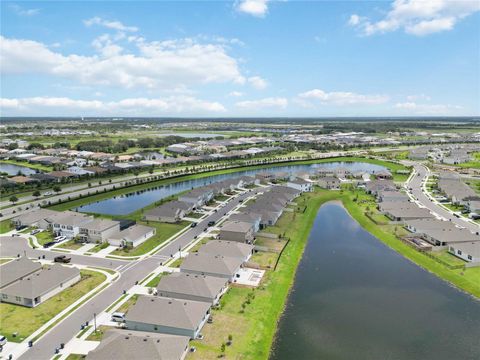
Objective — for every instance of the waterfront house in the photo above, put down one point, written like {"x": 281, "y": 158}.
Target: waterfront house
{"x": 233, "y": 249}
{"x": 213, "y": 265}
{"x": 131, "y": 236}
{"x": 192, "y": 287}
{"x": 237, "y": 231}
{"x": 169, "y": 316}
{"x": 127, "y": 345}
{"x": 300, "y": 184}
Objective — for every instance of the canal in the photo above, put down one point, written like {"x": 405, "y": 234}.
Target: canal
{"x": 127, "y": 203}
{"x": 355, "y": 298}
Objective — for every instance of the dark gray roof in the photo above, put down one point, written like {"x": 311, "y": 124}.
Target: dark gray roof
{"x": 191, "y": 284}
{"x": 126, "y": 345}
{"x": 41, "y": 282}
{"x": 16, "y": 269}
{"x": 183, "y": 314}
{"x": 211, "y": 264}
{"x": 227, "y": 248}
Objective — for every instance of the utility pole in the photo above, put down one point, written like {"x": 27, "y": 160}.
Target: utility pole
{"x": 95, "y": 322}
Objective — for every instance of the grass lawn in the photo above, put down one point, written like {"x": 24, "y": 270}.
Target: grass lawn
{"x": 265, "y": 259}
{"x": 164, "y": 231}
{"x": 25, "y": 321}
{"x": 71, "y": 244}
{"x": 127, "y": 304}
{"x": 195, "y": 215}
{"x": 474, "y": 163}
{"x": 5, "y": 226}
{"x": 44, "y": 237}
{"x": 450, "y": 259}
{"x": 98, "y": 335}
{"x": 76, "y": 357}
{"x": 5, "y": 260}
{"x": 154, "y": 282}
{"x": 99, "y": 247}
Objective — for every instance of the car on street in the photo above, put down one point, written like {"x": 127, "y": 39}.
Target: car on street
{"x": 3, "y": 340}
{"x": 118, "y": 317}
{"x": 62, "y": 259}
{"x": 48, "y": 193}
{"x": 211, "y": 223}
{"x": 193, "y": 224}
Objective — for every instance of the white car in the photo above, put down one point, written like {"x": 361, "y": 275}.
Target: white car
{"x": 59, "y": 238}
{"x": 118, "y": 317}
{"x": 48, "y": 193}
{"x": 3, "y": 340}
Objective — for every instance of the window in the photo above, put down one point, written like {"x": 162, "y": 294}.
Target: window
{"x": 4, "y": 296}
{"x": 459, "y": 252}
{"x": 469, "y": 257}
{"x": 18, "y": 298}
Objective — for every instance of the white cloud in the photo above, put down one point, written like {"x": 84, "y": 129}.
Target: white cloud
{"x": 257, "y": 8}
{"x": 135, "y": 106}
{"x": 412, "y": 107}
{"x": 109, "y": 24}
{"x": 271, "y": 102}
{"x": 235, "y": 94}
{"x": 257, "y": 82}
{"x": 157, "y": 64}
{"x": 342, "y": 98}
{"x": 418, "y": 97}
{"x": 418, "y": 17}
{"x": 17, "y": 9}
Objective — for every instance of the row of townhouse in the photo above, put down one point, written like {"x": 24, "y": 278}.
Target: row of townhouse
{"x": 161, "y": 326}
{"x": 85, "y": 227}
{"x": 456, "y": 190}
{"x": 175, "y": 210}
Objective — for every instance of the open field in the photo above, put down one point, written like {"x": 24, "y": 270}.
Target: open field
{"x": 25, "y": 321}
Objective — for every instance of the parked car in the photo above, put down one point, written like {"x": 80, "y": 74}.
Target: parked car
{"x": 49, "y": 244}
{"x": 36, "y": 231}
{"x": 62, "y": 259}
{"x": 59, "y": 238}
{"x": 48, "y": 193}
{"x": 21, "y": 227}
{"x": 211, "y": 223}
{"x": 193, "y": 225}
{"x": 118, "y": 317}
{"x": 3, "y": 340}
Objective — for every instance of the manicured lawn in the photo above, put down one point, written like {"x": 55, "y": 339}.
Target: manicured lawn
{"x": 44, "y": 237}
{"x": 76, "y": 357}
{"x": 98, "y": 335}
{"x": 98, "y": 247}
{"x": 71, "y": 244}
{"x": 154, "y": 282}
{"x": 450, "y": 259}
{"x": 5, "y": 226}
{"x": 5, "y": 260}
{"x": 127, "y": 304}
{"x": 25, "y": 321}
{"x": 164, "y": 231}
{"x": 474, "y": 163}
{"x": 195, "y": 215}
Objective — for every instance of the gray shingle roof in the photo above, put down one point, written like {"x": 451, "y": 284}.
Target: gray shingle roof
{"x": 227, "y": 248}
{"x": 183, "y": 314}
{"x": 212, "y": 264}
{"x": 126, "y": 345}
{"x": 16, "y": 269}
{"x": 191, "y": 284}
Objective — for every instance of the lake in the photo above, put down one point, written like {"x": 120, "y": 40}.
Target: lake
{"x": 12, "y": 169}
{"x": 125, "y": 204}
{"x": 355, "y": 298}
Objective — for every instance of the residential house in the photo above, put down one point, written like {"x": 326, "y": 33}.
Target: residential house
{"x": 329, "y": 182}
{"x": 248, "y": 217}
{"x": 168, "y": 316}
{"x": 17, "y": 269}
{"x": 127, "y": 345}
{"x": 404, "y": 211}
{"x": 300, "y": 184}
{"x": 98, "y": 230}
{"x": 69, "y": 223}
{"x": 197, "y": 197}
{"x": 37, "y": 287}
{"x": 131, "y": 236}
{"x": 233, "y": 249}
{"x": 170, "y": 212}
{"x": 192, "y": 287}
{"x": 468, "y": 251}
{"x": 212, "y": 265}
{"x": 237, "y": 231}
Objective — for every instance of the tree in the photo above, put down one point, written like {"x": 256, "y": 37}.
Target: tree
{"x": 57, "y": 188}
{"x": 222, "y": 350}
{"x": 13, "y": 199}
{"x": 36, "y": 193}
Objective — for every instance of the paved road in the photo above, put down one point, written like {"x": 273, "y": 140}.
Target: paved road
{"x": 416, "y": 185}
{"x": 14, "y": 246}
{"x": 134, "y": 271}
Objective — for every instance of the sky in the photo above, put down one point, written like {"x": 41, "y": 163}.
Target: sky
{"x": 240, "y": 58}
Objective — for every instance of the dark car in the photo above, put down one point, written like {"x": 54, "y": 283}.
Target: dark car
{"x": 48, "y": 244}
{"x": 211, "y": 223}
{"x": 62, "y": 259}
{"x": 21, "y": 227}
{"x": 193, "y": 225}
